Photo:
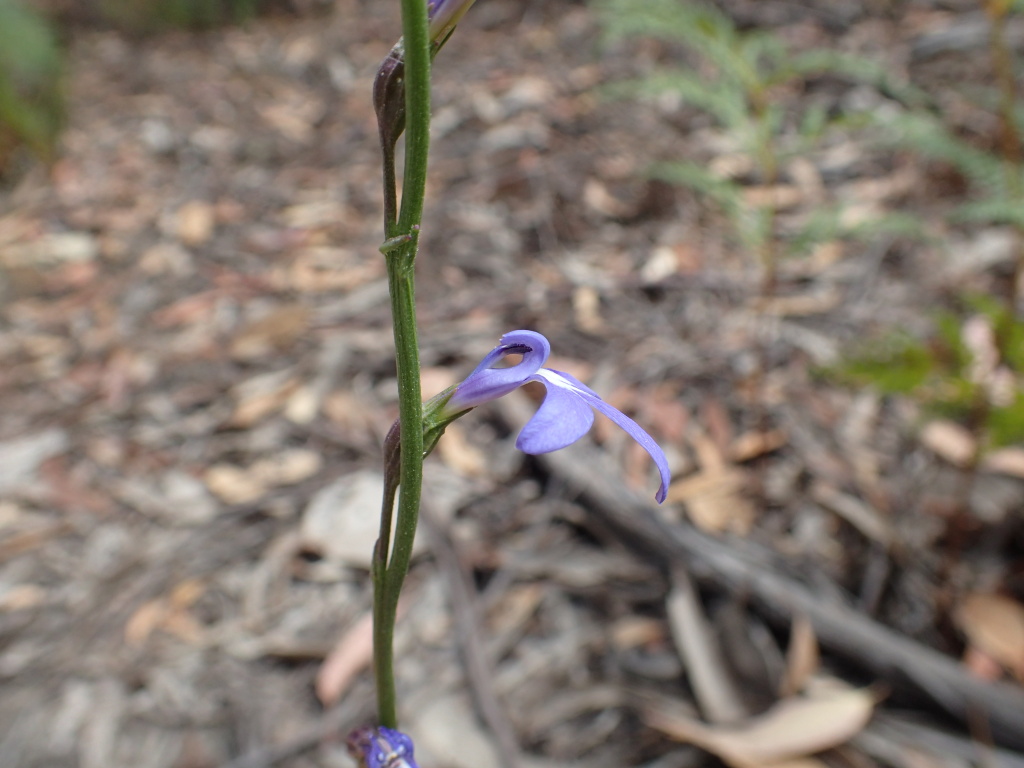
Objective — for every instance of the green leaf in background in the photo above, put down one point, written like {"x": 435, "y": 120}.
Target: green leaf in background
{"x": 897, "y": 364}
{"x": 1006, "y": 424}
{"x": 1003, "y": 210}
{"x": 153, "y": 15}
{"x": 30, "y": 82}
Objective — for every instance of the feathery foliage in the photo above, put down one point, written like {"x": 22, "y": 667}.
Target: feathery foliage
{"x": 942, "y": 372}
{"x": 30, "y": 82}
{"x": 747, "y": 82}
{"x": 990, "y": 178}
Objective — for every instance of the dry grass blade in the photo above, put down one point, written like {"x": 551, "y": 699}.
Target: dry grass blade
{"x": 712, "y": 682}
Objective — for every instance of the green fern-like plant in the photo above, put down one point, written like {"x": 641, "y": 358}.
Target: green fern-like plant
{"x": 744, "y": 81}
{"x": 937, "y": 371}
{"x": 993, "y": 185}
{"x": 31, "y": 97}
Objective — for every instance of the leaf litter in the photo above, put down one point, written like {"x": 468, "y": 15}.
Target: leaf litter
{"x": 197, "y": 346}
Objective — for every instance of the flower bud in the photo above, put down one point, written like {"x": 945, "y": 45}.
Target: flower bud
{"x": 389, "y": 85}
{"x": 381, "y": 748}
{"x": 389, "y": 98}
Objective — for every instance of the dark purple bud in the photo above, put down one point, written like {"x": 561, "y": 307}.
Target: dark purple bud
{"x": 389, "y": 85}
{"x": 389, "y": 98}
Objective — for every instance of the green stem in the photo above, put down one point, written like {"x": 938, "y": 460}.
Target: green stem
{"x": 400, "y": 257}
{"x": 390, "y": 195}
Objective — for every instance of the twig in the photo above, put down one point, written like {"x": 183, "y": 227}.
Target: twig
{"x": 887, "y": 729}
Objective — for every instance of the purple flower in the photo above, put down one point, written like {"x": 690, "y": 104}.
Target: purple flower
{"x": 381, "y": 748}
{"x": 567, "y": 412}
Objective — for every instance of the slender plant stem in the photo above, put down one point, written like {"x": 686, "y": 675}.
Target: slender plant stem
{"x": 389, "y": 573}
{"x": 390, "y": 196}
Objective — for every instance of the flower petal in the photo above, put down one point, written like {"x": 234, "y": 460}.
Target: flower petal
{"x": 585, "y": 394}
{"x": 646, "y": 441}
{"x": 562, "y": 419}
{"x": 444, "y": 15}
{"x": 487, "y": 383}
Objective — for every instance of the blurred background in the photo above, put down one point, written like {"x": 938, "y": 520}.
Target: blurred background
{"x": 786, "y": 237}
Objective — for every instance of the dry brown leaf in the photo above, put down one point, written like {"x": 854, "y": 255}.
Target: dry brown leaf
{"x": 712, "y": 436}
{"x": 792, "y": 729}
{"x": 514, "y": 608}
{"x": 802, "y": 657}
{"x": 714, "y": 496}
{"x": 715, "y": 502}
{"x": 287, "y": 467}
{"x": 807, "y": 177}
{"x": 25, "y": 541}
{"x": 731, "y": 165}
{"x": 461, "y": 455}
{"x": 660, "y": 265}
{"x": 586, "y": 305}
{"x": 259, "y": 399}
{"x": 348, "y": 658}
{"x": 352, "y": 654}
{"x": 979, "y": 339}
{"x": 779, "y": 196}
{"x": 751, "y": 445}
{"x": 303, "y": 405}
{"x": 194, "y": 222}
{"x": 185, "y": 594}
{"x": 232, "y": 484}
{"x": 799, "y": 306}
{"x": 995, "y": 625}
{"x": 598, "y": 198}
{"x": 879, "y": 189}
{"x": 21, "y": 597}
{"x": 635, "y": 631}
{"x": 950, "y": 441}
{"x": 663, "y": 407}
{"x": 169, "y": 613}
{"x": 275, "y": 331}
{"x": 184, "y": 626}
{"x": 144, "y": 621}
{"x": 1005, "y": 461}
